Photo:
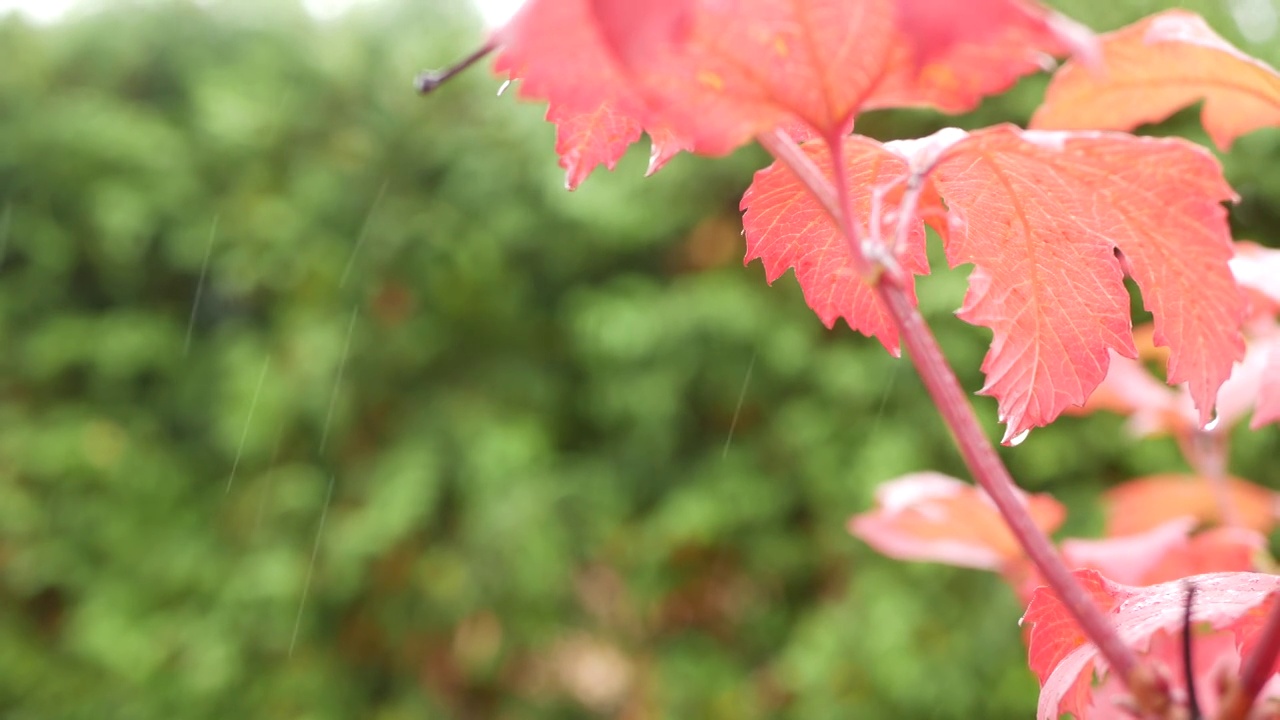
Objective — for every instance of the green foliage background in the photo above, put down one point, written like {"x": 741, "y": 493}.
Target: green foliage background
{"x": 442, "y": 440}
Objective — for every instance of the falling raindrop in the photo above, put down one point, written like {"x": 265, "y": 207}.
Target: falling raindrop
{"x": 244, "y": 434}
{"x": 364, "y": 230}
{"x": 1018, "y": 439}
{"x": 315, "y": 551}
{"x": 337, "y": 380}
{"x": 737, "y": 410}
{"x": 204, "y": 270}
{"x": 5, "y": 221}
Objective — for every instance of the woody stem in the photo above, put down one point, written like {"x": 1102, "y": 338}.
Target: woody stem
{"x": 940, "y": 381}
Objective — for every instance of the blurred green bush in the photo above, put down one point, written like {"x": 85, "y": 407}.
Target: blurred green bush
{"x": 440, "y": 439}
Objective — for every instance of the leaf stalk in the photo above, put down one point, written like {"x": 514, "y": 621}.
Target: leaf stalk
{"x": 977, "y": 450}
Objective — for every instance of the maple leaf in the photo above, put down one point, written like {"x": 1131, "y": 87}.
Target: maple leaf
{"x": 1258, "y": 268}
{"x": 1166, "y": 552}
{"x": 1139, "y": 505}
{"x": 933, "y": 517}
{"x": 950, "y": 55}
{"x": 595, "y": 111}
{"x": 1268, "y": 407}
{"x": 720, "y": 73}
{"x": 1042, "y": 215}
{"x": 587, "y": 140}
{"x": 1154, "y": 409}
{"x": 1157, "y": 66}
{"x": 1064, "y": 662}
{"x": 786, "y": 227}
{"x": 708, "y": 76}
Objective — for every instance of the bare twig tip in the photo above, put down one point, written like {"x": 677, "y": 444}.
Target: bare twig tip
{"x": 429, "y": 80}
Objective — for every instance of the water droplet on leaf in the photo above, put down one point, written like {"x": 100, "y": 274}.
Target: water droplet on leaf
{"x": 1018, "y": 439}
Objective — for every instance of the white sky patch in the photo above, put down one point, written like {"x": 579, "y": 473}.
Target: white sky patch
{"x": 494, "y": 12}
{"x": 331, "y": 9}
{"x": 38, "y": 11}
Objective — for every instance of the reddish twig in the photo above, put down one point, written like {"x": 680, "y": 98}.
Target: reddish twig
{"x": 978, "y": 452}
{"x": 429, "y": 80}
{"x": 1256, "y": 669}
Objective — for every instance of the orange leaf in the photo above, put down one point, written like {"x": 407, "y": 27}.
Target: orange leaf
{"x": 1166, "y": 552}
{"x": 932, "y": 517}
{"x": 1041, "y": 217}
{"x": 723, "y": 72}
{"x": 1140, "y": 505}
{"x": 1157, "y": 66}
{"x": 950, "y": 55}
{"x": 586, "y": 140}
{"x": 1268, "y": 407}
{"x": 787, "y": 228}
{"x": 712, "y": 74}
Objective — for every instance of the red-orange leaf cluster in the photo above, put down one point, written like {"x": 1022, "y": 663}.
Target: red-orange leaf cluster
{"x": 1040, "y": 216}
{"x": 1065, "y": 663}
{"x": 714, "y": 74}
{"x": 1051, "y": 219}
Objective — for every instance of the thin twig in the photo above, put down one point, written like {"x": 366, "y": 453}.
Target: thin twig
{"x": 429, "y": 80}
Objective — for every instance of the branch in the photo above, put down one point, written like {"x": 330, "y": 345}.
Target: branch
{"x": 978, "y": 452}
{"x": 429, "y": 80}
{"x": 1256, "y": 670}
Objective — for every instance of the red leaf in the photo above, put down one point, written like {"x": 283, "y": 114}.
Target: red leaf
{"x": 1153, "y": 407}
{"x": 1139, "y": 505}
{"x": 932, "y": 517}
{"x": 1065, "y": 662}
{"x": 787, "y": 228}
{"x": 714, "y": 74}
{"x": 722, "y": 72}
{"x": 1042, "y": 214}
{"x": 1166, "y": 552}
{"x": 1157, "y": 66}
{"x": 1258, "y": 268}
{"x": 950, "y": 55}
{"x": 1222, "y": 549}
{"x": 1268, "y": 407}
{"x": 1129, "y": 558}
{"x": 585, "y": 140}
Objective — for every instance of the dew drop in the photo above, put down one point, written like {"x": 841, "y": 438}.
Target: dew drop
{"x": 1018, "y": 439}
{"x": 1212, "y": 424}
{"x": 503, "y": 87}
